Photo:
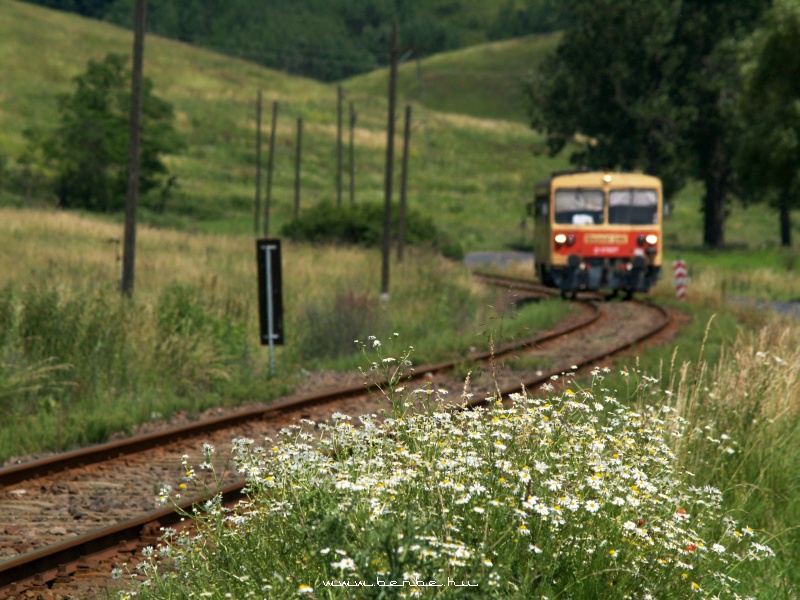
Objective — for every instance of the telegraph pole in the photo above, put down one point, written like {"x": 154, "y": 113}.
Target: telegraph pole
{"x": 401, "y": 218}
{"x": 270, "y": 166}
{"x": 297, "y": 167}
{"x": 387, "y": 207}
{"x": 352, "y": 155}
{"x": 339, "y": 146}
{"x": 129, "y": 245}
{"x": 258, "y": 164}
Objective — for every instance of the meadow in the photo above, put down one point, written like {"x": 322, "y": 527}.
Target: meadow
{"x": 464, "y": 170}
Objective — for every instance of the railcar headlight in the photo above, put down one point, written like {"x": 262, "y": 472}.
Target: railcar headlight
{"x": 560, "y": 238}
{"x": 651, "y": 239}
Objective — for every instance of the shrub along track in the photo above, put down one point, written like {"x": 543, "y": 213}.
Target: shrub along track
{"x": 69, "y": 519}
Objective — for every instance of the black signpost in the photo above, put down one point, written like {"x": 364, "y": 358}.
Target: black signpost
{"x": 270, "y": 297}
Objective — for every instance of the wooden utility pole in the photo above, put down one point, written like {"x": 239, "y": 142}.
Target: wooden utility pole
{"x": 352, "y": 155}
{"x": 270, "y": 166}
{"x": 421, "y": 81}
{"x": 401, "y": 217}
{"x": 297, "y": 167}
{"x": 339, "y": 146}
{"x": 387, "y": 206}
{"x": 129, "y": 245}
{"x": 257, "y": 219}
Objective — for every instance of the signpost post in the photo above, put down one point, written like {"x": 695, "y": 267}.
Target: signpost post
{"x": 270, "y": 297}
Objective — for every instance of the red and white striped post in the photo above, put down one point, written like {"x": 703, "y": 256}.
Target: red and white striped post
{"x": 680, "y": 278}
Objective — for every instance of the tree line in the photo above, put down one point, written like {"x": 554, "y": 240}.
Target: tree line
{"x": 682, "y": 89}
{"x": 323, "y": 39}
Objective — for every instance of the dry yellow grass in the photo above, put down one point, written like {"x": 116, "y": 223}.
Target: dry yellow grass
{"x": 74, "y": 247}
{"x": 445, "y": 120}
{"x": 74, "y": 250}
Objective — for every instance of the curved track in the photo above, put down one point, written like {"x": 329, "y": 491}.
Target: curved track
{"x": 73, "y": 516}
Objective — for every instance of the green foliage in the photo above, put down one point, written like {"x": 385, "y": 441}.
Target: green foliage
{"x": 88, "y": 151}
{"x": 85, "y": 331}
{"x": 65, "y": 352}
{"x": 650, "y": 86}
{"x": 198, "y": 340}
{"x": 609, "y": 81}
{"x": 710, "y": 85}
{"x": 768, "y": 162}
{"x": 334, "y": 324}
{"x": 87, "y": 8}
{"x": 534, "y": 16}
{"x": 362, "y": 224}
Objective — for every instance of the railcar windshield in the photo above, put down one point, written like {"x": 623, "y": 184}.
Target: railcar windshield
{"x": 633, "y": 207}
{"x": 579, "y": 207}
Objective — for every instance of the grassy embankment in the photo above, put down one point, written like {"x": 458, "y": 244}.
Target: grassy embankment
{"x": 620, "y": 488}
{"x": 484, "y": 81}
{"x": 77, "y": 363}
{"x": 674, "y": 474}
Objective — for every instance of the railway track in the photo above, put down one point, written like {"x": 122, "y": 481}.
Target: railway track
{"x": 72, "y": 517}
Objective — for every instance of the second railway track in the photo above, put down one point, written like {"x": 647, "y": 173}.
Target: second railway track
{"x": 62, "y": 510}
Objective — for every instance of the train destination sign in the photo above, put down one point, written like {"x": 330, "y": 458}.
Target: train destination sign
{"x": 606, "y": 238}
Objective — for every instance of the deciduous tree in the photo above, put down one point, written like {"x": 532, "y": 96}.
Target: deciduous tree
{"x": 88, "y": 151}
{"x": 768, "y": 162}
{"x": 606, "y": 93}
{"x": 709, "y": 83}
{"x": 653, "y": 86}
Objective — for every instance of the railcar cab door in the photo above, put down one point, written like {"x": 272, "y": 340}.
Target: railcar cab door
{"x": 540, "y": 211}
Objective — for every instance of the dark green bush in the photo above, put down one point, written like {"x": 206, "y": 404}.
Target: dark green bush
{"x": 362, "y": 225}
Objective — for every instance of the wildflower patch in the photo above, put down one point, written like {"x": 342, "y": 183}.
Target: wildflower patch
{"x": 564, "y": 496}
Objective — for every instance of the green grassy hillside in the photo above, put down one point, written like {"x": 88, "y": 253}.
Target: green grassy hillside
{"x": 464, "y": 171}
{"x": 484, "y": 80}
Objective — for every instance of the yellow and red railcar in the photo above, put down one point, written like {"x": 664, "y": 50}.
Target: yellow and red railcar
{"x": 598, "y": 230}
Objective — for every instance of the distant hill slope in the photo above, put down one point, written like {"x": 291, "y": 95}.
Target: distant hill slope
{"x": 482, "y": 81}
{"x": 41, "y": 51}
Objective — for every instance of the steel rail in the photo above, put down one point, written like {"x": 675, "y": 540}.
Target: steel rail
{"x": 65, "y": 558}
{"x": 15, "y": 474}
{"x": 590, "y": 361}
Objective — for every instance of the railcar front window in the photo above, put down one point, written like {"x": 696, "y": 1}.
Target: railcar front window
{"x": 633, "y": 207}
{"x": 579, "y": 207}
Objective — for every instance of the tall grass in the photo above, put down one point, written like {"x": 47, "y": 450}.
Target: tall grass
{"x": 747, "y": 407}
{"x": 78, "y": 363}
